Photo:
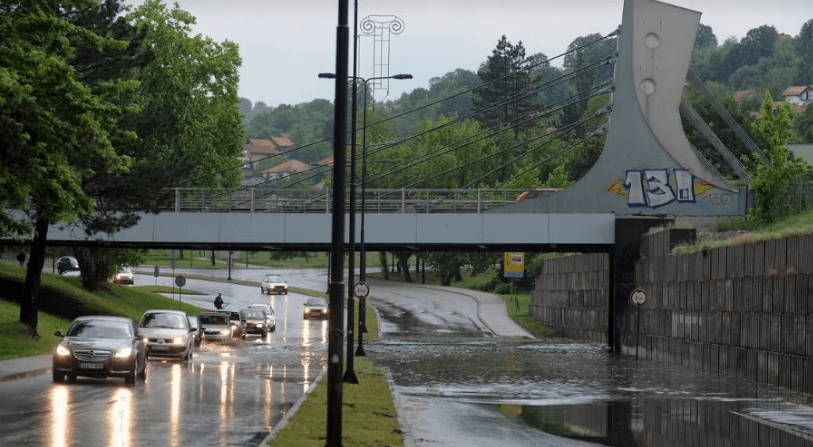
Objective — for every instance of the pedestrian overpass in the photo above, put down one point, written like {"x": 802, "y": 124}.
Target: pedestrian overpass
{"x": 394, "y": 220}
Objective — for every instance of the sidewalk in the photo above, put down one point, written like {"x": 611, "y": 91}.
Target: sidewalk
{"x": 23, "y": 367}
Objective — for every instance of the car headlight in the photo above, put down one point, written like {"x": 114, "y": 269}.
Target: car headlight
{"x": 124, "y": 353}
{"x": 62, "y": 350}
{"x": 225, "y": 331}
{"x": 179, "y": 340}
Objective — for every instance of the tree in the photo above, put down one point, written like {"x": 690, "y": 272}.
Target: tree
{"x": 705, "y": 37}
{"x": 504, "y": 98}
{"x": 56, "y": 130}
{"x": 773, "y": 183}
{"x": 804, "y": 47}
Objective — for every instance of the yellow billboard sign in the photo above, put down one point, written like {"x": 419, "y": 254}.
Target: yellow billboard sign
{"x": 514, "y": 265}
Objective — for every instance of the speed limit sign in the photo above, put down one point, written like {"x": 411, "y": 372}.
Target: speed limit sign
{"x": 361, "y": 289}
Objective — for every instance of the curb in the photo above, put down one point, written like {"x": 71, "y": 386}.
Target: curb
{"x": 292, "y": 411}
{"x": 409, "y": 441}
{"x": 24, "y": 375}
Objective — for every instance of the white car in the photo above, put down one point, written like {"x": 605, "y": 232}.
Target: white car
{"x": 167, "y": 333}
{"x": 270, "y": 316}
{"x": 215, "y": 326}
{"x": 124, "y": 276}
{"x": 274, "y": 284}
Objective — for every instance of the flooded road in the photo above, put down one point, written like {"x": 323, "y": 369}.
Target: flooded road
{"x": 489, "y": 390}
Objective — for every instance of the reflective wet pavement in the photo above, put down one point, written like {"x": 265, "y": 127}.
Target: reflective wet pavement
{"x": 517, "y": 393}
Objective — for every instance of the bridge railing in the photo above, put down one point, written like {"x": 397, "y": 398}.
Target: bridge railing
{"x": 259, "y": 200}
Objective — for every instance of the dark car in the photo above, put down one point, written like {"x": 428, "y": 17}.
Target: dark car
{"x": 315, "y": 308}
{"x": 216, "y": 327}
{"x": 167, "y": 333}
{"x": 256, "y": 321}
{"x": 100, "y": 346}
{"x": 67, "y": 264}
{"x": 238, "y": 323}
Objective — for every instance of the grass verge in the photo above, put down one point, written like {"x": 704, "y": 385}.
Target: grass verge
{"x": 368, "y": 413}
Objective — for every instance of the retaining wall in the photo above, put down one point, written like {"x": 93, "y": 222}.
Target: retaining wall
{"x": 745, "y": 310}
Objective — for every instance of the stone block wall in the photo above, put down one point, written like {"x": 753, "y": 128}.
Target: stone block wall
{"x": 744, "y": 310}
{"x": 571, "y": 297}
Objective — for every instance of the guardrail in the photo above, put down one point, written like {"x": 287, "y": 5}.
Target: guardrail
{"x": 258, "y": 200}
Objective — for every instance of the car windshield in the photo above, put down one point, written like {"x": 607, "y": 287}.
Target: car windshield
{"x": 253, "y": 313}
{"x": 213, "y": 319}
{"x": 273, "y": 278}
{"x": 164, "y": 320}
{"x": 234, "y": 316}
{"x": 316, "y": 302}
{"x": 100, "y": 329}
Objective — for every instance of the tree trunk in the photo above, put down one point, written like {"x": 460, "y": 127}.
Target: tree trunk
{"x": 33, "y": 276}
{"x": 403, "y": 265}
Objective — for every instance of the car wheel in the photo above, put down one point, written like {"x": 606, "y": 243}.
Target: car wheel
{"x": 129, "y": 379}
{"x": 143, "y": 374}
{"x": 273, "y": 328}
{"x": 58, "y": 376}
{"x": 71, "y": 377}
{"x": 264, "y": 334}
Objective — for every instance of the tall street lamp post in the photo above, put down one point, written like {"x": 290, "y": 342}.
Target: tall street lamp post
{"x": 363, "y": 256}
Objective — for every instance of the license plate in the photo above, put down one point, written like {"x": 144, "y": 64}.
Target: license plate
{"x": 160, "y": 347}
{"x": 91, "y": 365}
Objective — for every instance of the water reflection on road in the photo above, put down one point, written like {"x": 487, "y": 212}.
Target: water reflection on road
{"x": 482, "y": 391}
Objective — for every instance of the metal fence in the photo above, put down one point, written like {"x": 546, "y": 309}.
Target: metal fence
{"x": 258, "y": 200}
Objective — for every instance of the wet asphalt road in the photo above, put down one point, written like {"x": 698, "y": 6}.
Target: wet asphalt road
{"x": 229, "y": 394}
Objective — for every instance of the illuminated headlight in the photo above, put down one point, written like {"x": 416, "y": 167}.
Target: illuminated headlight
{"x": 259, "y": 325}
{"x": 179, "y": 340}
{"x": 307, "y": 311}
{"x": 225, "y": 331}
{"x": 124, "y": 353}
{"x": 62, "y": 350}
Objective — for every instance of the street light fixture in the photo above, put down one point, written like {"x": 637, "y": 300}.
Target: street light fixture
{"x": 350, "y": 373}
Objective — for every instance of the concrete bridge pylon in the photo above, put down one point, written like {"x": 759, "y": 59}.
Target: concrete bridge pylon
{"x": 647, "y": 166}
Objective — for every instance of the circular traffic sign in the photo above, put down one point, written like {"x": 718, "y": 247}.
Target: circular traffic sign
{"x": 180, "y": 281}
{"x": 361, "y": 289}
{"x": 638, "y": 297}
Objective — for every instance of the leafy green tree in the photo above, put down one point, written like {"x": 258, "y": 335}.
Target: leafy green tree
{"x": 803, "y": 123}
{"x": 773, "y": 184}
{"x": 804, "y": 48}
{"x": 705, "y": 37}
{"x": 56, "y": 130}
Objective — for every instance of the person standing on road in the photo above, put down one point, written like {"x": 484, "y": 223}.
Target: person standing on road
{"x": 218, "y": 302}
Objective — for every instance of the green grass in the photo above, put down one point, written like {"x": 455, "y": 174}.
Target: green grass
{"x": 368, "y": 413}
{"x": 115, "y": 299}
{"x": 203, "y": 259}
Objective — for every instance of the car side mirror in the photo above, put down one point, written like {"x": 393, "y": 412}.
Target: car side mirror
{"x": 59, "y": 334}
{"x": 191, "y": 329}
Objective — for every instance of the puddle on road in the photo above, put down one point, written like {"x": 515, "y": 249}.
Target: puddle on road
{"x": 584, "y": 393}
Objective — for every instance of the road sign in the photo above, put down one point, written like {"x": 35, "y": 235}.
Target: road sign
{"x": 514, "y": 265}
{"x": 638, "y": 297}
{"x": 180, "y": 281}
{"x": 361, "y": 289}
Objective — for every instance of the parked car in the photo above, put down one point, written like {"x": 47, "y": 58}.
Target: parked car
{"x": 67, "y": 264}
{"x": 195, "y": 324}
{"x": 167, "y": 333}
{"x": 100, "y": 346}
{"x": 270, "y": 315}
{"x": 256, "y": 321}
{"x": 238, "y": 323}
{"x": 315, "y": 308}
{"x": 125, "y": 275}
{"x": 274, "y": 284}
{"x": 216, "y": 326}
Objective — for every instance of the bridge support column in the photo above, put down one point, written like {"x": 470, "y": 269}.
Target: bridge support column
{"x": 628, "y": 234}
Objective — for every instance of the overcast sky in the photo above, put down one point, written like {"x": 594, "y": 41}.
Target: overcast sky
{"x": 285, "y": 44}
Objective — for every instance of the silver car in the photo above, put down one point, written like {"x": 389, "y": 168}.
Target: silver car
{"x": 167, "y": 333}
{"x": 315, "y": 308}
{"x": 274, "y": 284}
{"x": 216, "y": 326}
{"x": 100, "y": 346}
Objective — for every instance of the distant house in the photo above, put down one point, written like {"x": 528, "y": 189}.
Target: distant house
{"x": 284, "y": 170}
{"x": 262, "y": 148}
{"x": 740, "y": 95}
{"x": 799, "y": 95}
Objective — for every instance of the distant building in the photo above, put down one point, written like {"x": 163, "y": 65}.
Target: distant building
{"x": 740, "y": 95}
{"x": 799, "y": 95}
{"x": 259, "y": 149}
{"x": 285, "y": 169}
